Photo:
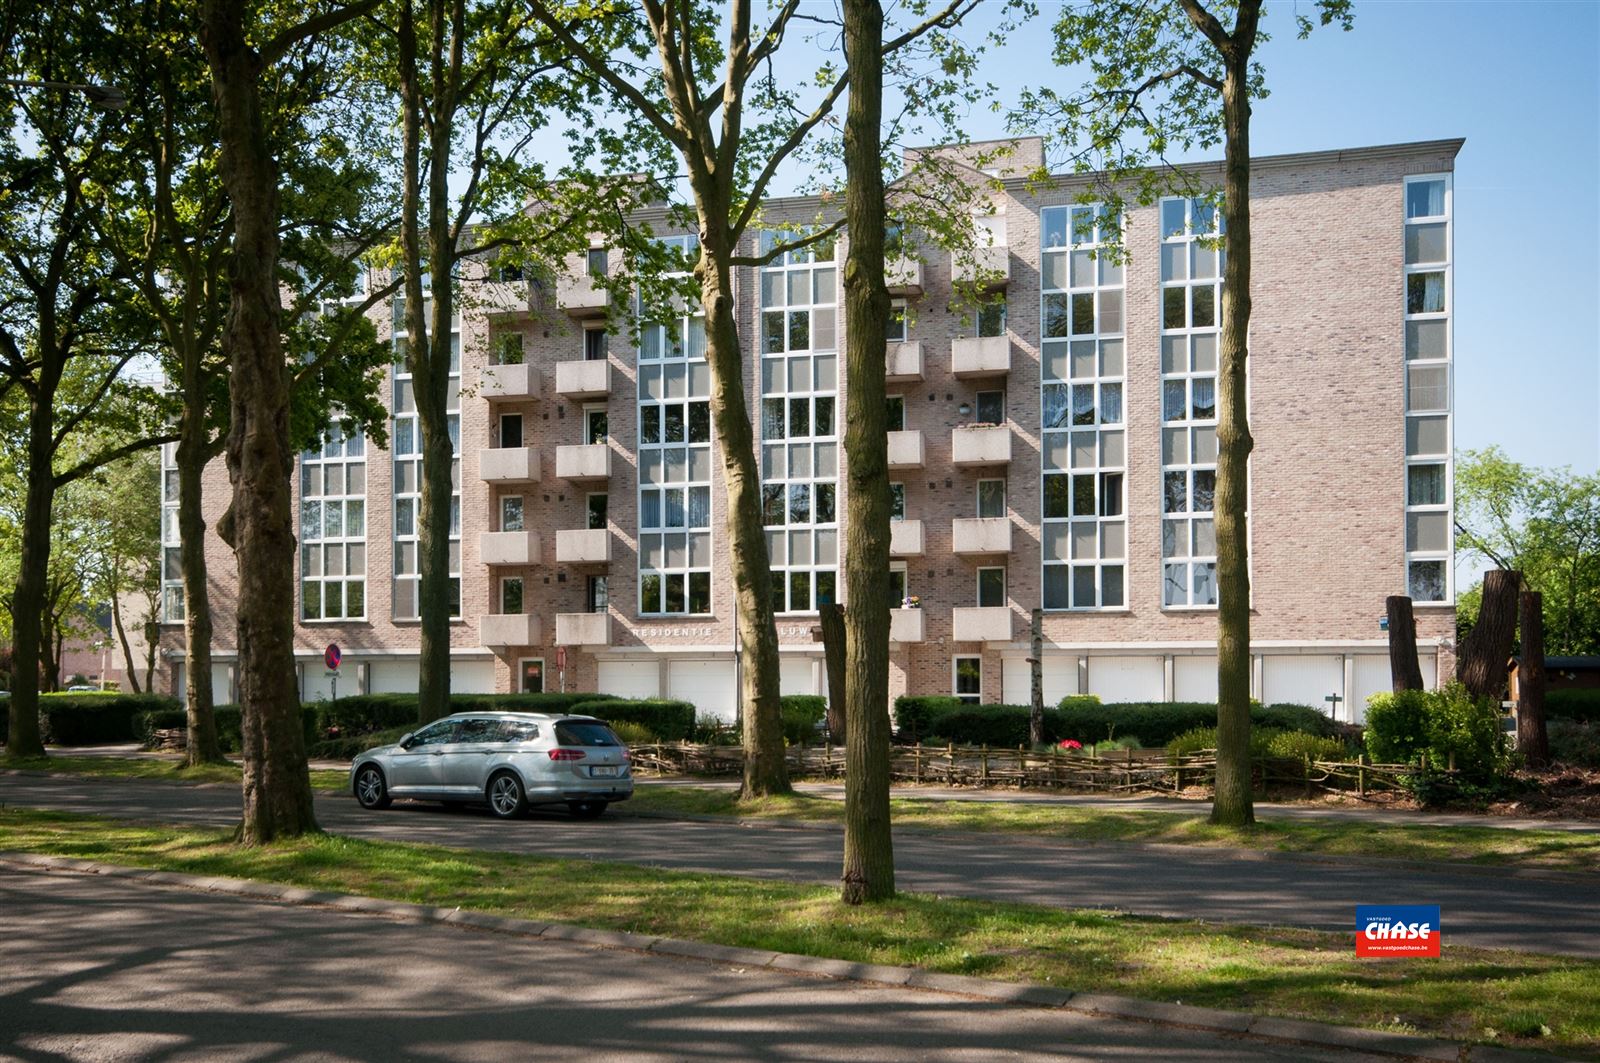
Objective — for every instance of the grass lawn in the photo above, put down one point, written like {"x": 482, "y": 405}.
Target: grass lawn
{"x": 1390, "y": 837}
{"x": 1505, "y": 997}
{"x": 159, "y": 770}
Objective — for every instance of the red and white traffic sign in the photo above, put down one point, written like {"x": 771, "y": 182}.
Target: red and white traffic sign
{"x": 332, "y": 656}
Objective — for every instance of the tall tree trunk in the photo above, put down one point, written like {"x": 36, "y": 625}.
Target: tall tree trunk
{"x": 1232, "y": 804}
{"x": 1405, "y": 671}
{"x": 1532, "y": 740}
{"x": 201, "y": 746}
{"x": 1036, "y": 679}
{"x": 765, "y": 772}
{"x": 277, "y": 782}
{"x": 868, "y": 844}
{"x": 1486, "y": 653}
{"x": 130, "y": 668}
{"x": 835, "y": 659}
{"x": 28, "y": 600}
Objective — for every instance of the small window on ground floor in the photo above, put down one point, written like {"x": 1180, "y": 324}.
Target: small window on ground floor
{"x": 969, "y": 679}
{"x": 530, "y": 675}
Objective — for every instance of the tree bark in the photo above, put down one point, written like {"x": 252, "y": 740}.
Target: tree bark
{"x": 131, "y": 668}
{"x": 1486, "y": 653}
{"x": 1036, "y": 680}
{"x": 201, "y": 746}
{"x": 277, "y": 782}
{"x": 28, "y": 600}
{"x": 1232, "y": 803}
{"x": 1405, "y": 672}
{"x": 1532, "y": 740}
{"x": 868, "y": 843}
{"x": 834, "y": 657}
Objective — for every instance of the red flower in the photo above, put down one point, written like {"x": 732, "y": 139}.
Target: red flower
{"x": 1071, "y": 743}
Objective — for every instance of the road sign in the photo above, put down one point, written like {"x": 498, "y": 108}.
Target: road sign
{"x": 332, "y": 656}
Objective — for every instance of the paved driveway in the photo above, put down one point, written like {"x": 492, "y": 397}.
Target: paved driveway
{"x": 99, "y": 969}
{"x": 1491, "y": 907}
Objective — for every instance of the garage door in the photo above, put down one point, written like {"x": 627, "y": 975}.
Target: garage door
{"x": 630, "y": 679}
{"x": 1429, "y": 663}
{"x": 1194, "y": 679}
{"x": 392, "y": 677}
{"x": 1059, "y": 673}
{"x": 708, "y": 684}
{"x": 472, "y": 677}
{"x": 797, "y": 675}
{"x": 1127, "y": 678}
{"x": 1302, "y": 680}
{"x": 1371, "y": 677}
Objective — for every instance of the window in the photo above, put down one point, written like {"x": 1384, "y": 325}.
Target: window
{"x": 511, "y": 513}
{"x": 511, "y": 595}
{"x": 991, "y": 407}
{"x": 895, "y": 330}
{"x": 595, "y": 597}
{"x": 405, "y": 444}
{"x": 895, "y": 412}
{"x": 435, "y": 734}
{"x": 1428, "y": 273}
{"x": 511, "y": 430}
{"x": 897, "y": 501}
{"x": 507, "y": 349}
{"x": 898, "y": 587}
{"x": 991, "y": 587}
{"x": 596, "y": 507}
{"x": 595, "y": 344}
{"x": 530, "y": 675}
{"x": 991, "y": 498}
{"x": 992, "y": 319}
{"x": 594, "y": 262}
{"x": 674, "y": 464}
{"x": 596, "y": 426}
{"x": 333, "y": 529}
{"x": 171, "y": 560}
{"x": 968, "y": 679}
{"x": 1083, "y": 440}
{"x": 508, "y": 272}
{"x": 799, "y": 423}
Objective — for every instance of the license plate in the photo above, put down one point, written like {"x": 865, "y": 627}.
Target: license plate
{"x": 605, "y": 771}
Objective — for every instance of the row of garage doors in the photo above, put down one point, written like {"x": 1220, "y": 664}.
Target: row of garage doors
{"x": 709, "y": 684}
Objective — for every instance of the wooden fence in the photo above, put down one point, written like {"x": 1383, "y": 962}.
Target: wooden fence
{"x": 1125, "y": 771}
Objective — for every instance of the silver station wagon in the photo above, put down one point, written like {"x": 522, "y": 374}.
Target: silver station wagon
{"x": 512, "y": 760}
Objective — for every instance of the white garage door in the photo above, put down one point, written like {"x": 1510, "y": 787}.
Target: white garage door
{"x": 797, "y": 675}
{"x": 630, "y": 679}
{"x": 1127, "y": 678}
{"x": 1371, "y": 677}
{"x": 1059, "y": 673}
{"x": 1194, "y": 679}
{"x": 1430, "y": 670}
{"x": 392, "y": 677}
{"x": 472, "y": 677}
{"x": 707, "y": 684}
{"x": 1302, "y": 680}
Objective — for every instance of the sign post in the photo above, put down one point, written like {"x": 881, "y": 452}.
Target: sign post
{"x": 1333, "y": 702}
{"x": 561, "y": 666}
{"x": 331, "y": 657}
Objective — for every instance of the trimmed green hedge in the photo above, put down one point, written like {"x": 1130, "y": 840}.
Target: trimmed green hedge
{"x": 1573, "y": 703}
{"x": 90, "y": 719}
{"x": 1084, "y": 718}
{"x": 361, "y": 713}
{"x": 349, "y": 746}
{"x": 667, "y": 719}
{"x": 801, "y": 714}
{"x": 914, "y": 717}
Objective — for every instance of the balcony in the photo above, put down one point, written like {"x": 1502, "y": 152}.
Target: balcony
{"x": 903, "y": 363}
{"x": 903, "y": 275}
{"x": 500, "y": 631}
{"x": 905, "y": 625}
{"x": 583, "y": 629}
{"x": 583, "y": 546}
{"x": 905, "y": 449}
{"x": 588, "y": 461}
{"x": 905, "y": 538}
{"x": 990, "y": 264}
{"x": 508, "y": 465}
{"x": 980, "y": 356}
{"x": 980, "y": 535}
{"x": 509, "y": 382}
{"x": 978, "y": 445}
{"x": 509, "y": 548}
{"x": 982, "y": 624}
{"x": 584, "y": 380}
{"x": 579, "y": 296}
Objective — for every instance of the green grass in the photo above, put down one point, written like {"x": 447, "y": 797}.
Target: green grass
{"x": 1391, "y": 837}
{"x": 157, "y": 769}
{"x": 1469, "y": 994}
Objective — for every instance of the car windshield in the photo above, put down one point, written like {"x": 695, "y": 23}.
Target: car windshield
{"x": 581, "y": 733}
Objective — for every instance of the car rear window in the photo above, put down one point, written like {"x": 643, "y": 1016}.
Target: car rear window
{"x": 583, "y": 733}
{"x": 517, "y": 731}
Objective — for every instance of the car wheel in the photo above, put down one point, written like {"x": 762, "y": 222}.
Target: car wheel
{"x": 372, "y": 789}
{"x": 506, "y": 797}
{"x": 586, "y": 809}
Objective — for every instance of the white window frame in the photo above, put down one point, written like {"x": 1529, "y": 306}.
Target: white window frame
{"x": 172, "y": 601}
{"x": 591, "y": 331}
{"x": 411, "y": 543}
{"x": 317, "y": 546}
{"x": 500, "y": 430}
{"x": 977, "y": 498}
{"x": 1446, "y": 507}
{"x": 586, "y": 512}
{"x": 590, "y": 410}
{"x": 955, "y": 678}
{"x": 500, "y": 600}
{"x": 897, "y": 307}
{"x": 522, "y": 504}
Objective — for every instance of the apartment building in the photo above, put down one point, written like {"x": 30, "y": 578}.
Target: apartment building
{"x": 1054, "y": 450}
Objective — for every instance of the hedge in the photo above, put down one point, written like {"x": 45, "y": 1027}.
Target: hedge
{"x": 361, "y": 713}
{"x": 669, "y": 720}
{"x": 914, "y": 716}
{"x": 90, "y": 719}
{"x": 350, "y": 746}
{"x": 801, "y": 714}
{"x": 1157, "y": 723}
{"x": 1573, "y": 703}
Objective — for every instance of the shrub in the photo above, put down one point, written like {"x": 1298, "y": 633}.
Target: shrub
{"x": 714, "y": 730}
{"x": 668, "y": 720}
{"x": 1397, "y": 726}
{"x": 349, "y": 746}
{"x": 801, "y": 714}
{"x": 1574, "y": 742}
{"x": 1446, "y": 724}
{"x": 1298, "y": 745}
{"x": 992, "y": 725}
{"x": 1156, "y": 723}
{"x": 1573, "y": 704}
{"x": 91, "y": 719}
{"x": 632, "y": 734}
{"x": 1193, "y": 741}
{"x": 914, "y": 716}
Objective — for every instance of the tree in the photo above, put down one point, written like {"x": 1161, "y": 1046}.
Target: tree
{"x": 1169, "y": 76}
{"x": 65, "y": 343}
{"x": 260, "y": 524}
{"x": 1485, "y": 654}
{"x": 1533, "y": 740}
{"x": 124, "y": 544}
{"x": 1544, "y": 523}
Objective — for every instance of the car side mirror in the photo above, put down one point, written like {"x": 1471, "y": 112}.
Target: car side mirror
{"x": 406, "y": 740}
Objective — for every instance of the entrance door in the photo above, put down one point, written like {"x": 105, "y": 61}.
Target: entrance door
{"x": 530, "y": 675}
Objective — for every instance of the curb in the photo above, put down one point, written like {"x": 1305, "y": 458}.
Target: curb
{"x": 1184, "y": 1016}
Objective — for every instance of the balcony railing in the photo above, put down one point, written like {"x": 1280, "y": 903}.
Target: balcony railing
{"x": 903, "y": 362}
{"x": 579, "y": 296}
{"x": 500, "y": 631}
{"x": 583, "y": 629}
{"x": 976, "y": 445}
{"x": 905, "y": 449}
{"x": 905, "y": 625}
{"x": 903, "y": 276}
{"x": 905, "y": 538}
{"x": 509, "y": 548}
{"x": 583, "y": 546}
{"x": 509, "y": 382}
{"x": 982, "y": 624}
{"x": 583, "y": 380}
{"x": 508, "y": 465}
{"x": 980, "y": 356}
{"x": 980, "y": 535}
{"x": 990, "y": 264}
{"x": 587, "y": 461}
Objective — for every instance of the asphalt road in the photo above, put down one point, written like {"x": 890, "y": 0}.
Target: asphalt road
{"x": 99, "y": 969}
{"x": 1533, "y": 911}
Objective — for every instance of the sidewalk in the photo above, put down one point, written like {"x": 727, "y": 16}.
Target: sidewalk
{"x": 834, "y": 791}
